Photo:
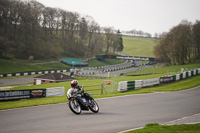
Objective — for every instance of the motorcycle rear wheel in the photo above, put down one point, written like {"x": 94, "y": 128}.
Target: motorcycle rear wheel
{"x": 74, "y": 107}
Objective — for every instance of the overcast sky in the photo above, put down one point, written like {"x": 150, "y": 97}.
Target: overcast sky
{"x": 152, "y": 16}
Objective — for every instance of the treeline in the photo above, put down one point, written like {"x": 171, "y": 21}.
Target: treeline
{"x": 180, "y": 45}
{"x": 135, "y": 32}
{"x": 28, "y": 28}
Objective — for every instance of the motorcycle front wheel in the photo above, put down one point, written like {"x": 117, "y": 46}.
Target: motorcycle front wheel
{"x": 74, "y": 106}
{"x": 93, "y": 106}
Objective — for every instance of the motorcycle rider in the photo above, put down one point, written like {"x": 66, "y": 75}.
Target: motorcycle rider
{"x": 75, "y": 88}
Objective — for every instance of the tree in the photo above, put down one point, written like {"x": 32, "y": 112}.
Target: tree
{"x": 156, "y": 35}
{"x": 161, "y": 50}
{"x": 6, "y": 46}
{"x": 178, "y": 45}
{"x": 94, "y": 38}
{"x": 120, "y": 41}
{"x": 196, "y": 34}
{"x": 108, "y": 38}
{"x": 29, "y": 28}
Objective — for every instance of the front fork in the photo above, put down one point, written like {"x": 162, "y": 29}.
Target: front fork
{"x": 74, "y": 101}
{"x": 91, "y": 102}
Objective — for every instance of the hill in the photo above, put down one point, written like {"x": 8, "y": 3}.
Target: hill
{"x": 135, "y": 46}
{"x": 138, "y": 46}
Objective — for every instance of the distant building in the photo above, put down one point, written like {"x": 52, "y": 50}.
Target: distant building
{"x": 52, "y": 78}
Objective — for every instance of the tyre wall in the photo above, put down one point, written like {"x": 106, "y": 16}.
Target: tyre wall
{"x": 137, "y": 84}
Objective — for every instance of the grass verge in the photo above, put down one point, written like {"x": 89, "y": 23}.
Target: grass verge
{"x": 96, "y": 63}
{"x": 160, "y": 70}
{"x": 156, "y": 128}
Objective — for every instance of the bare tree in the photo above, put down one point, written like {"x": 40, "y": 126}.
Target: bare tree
{"x": 196, "y": 34}
{"x": 109, "y": 33}
{"x": 177, "y": 46}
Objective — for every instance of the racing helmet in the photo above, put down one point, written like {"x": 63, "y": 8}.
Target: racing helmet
{"x": 74, "y": 83}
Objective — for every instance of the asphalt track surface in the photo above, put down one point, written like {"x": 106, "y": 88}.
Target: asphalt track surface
{"x": 116, "y": 114}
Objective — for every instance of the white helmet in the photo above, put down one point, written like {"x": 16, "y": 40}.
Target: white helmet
{"x": 74, "y": 83}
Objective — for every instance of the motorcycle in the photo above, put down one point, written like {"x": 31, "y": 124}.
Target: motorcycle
{"x": 82, "y": 101}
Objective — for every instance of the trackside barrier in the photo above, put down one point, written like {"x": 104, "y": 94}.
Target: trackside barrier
{"x": 123, "y": 86}
{"x": 58, "y": 91}
{"x": 184, "y": 75}
{"x": 177, "y": 77}
{"x": 166, "y": 79}
{"x": 126, "y": 85}
{"x": 150, "y": 82}
{"x": 10, "y": 95}
{"x": 103, "y": 69}
{"x": 33, "y": 73}
{"x": 131, "y": 85}
{"x": 137, "y": 84}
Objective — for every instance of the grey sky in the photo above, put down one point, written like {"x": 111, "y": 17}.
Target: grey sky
{"x": 147, "y": 15}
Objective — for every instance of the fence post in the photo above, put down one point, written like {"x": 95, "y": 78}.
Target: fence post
{"x": 101, "y": 88}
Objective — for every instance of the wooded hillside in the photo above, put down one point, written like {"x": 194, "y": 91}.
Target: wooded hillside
{"x": 28, "y": 28}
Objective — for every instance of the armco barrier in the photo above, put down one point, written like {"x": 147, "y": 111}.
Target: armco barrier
{"x": 129, "y": 85}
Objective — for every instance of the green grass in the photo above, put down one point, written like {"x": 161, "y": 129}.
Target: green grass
{"x": 156, "y": 128}
{"x": 138, "y": 46}
{"x": 16, "y": 66}
{"x": 159, "y": 70}
{"x": 95, "y": 63}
